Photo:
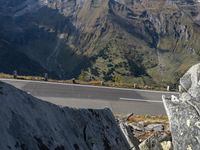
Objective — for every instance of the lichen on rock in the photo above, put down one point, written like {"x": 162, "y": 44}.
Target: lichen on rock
{"x": 184, "y": 113}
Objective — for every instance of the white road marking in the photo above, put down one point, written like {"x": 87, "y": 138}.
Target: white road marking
{"x": 90, "y": 86}
{"x": 140, "y": 100}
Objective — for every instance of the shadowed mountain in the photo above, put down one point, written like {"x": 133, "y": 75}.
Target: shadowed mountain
{"x": 141, "y": 41}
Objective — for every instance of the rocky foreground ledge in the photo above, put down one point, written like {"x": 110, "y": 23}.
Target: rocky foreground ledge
{"x": 27, "y": 123}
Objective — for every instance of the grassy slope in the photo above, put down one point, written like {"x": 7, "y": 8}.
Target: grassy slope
{"x": 129, "y": 55}
{"x": 105, "y": 40}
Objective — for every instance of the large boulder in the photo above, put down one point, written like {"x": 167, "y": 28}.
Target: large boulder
{"x": 27, "y": 123}
{"x": 184, "y": 112}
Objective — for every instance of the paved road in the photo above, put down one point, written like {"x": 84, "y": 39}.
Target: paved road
{"x": 120, "y": 100}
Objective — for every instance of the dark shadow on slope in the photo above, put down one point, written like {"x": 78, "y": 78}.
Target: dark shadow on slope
{"x": 14, "y": 60}
{"x": 136, "y": 70}
{"x": 131, "y": 25}
{"x": 34, "y": 37}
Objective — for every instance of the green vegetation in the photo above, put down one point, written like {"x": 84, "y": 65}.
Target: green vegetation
{"x": 148, "y": 45}
{"x": 130, "y": 83}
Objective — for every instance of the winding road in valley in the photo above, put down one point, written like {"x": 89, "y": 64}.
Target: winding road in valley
{"x": 119, "y": 100}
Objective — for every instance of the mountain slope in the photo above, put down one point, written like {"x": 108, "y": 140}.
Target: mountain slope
{"x": 29, "y": 123}
{"x": 144, "y": 41}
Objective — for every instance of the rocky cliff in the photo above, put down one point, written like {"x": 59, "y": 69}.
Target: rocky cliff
{"x": 142, "y": 41}
{"x": 31, "y": 124}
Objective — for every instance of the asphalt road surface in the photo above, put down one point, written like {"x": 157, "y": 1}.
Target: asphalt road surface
{"x": 119, "y": 100}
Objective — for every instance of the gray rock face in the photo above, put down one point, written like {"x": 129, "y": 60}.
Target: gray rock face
{"x": 136, "y": 127}
{"x": 152, "y": 143}
{"x": 133, "y": 141}
{"x": 28, "y": 123}
{"x": 154, "y": 127}
{"x": 190, "y": 81}
{"x": 184, "y": 112}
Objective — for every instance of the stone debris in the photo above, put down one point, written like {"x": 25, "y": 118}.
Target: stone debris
{"x": 167, "y": 145}
{"x": 129, "y": 116}
{"x": 152, "y": 143}
{"x": 136, "y": 127}
{"x": 148, "y": 134}
{"x": 155, "y": 127}
{"x": 132, "y": 140}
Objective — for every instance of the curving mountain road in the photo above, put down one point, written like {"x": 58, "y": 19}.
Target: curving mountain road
{"x": 120, "y": 100}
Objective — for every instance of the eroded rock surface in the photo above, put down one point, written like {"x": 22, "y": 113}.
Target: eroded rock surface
{"x": 132, "y": 140}
{"x": 27, "y": 123}
{"x": 184, "y": 112}
{"x": 152, "y": 143}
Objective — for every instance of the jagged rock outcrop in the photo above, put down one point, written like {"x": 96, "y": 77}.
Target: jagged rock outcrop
{"x": 27, "y": 123}
{"x": 184, "y": 112}
{"x": 133, "y": 141}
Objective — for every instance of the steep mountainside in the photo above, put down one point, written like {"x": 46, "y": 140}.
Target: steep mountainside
{"x": 127, "y": 40}
{"x": 28, "y": 123}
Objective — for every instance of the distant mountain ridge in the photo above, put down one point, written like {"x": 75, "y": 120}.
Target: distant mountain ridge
{"x": 143, "y": 41}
